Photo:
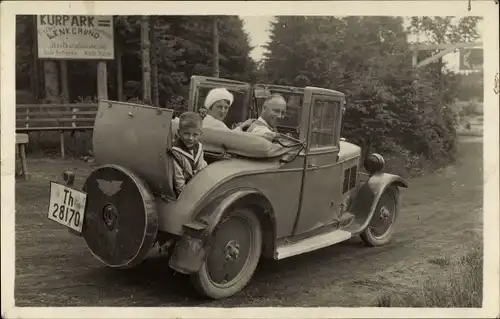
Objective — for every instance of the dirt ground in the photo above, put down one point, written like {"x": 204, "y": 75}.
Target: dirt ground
{"x": 441, "y": 217}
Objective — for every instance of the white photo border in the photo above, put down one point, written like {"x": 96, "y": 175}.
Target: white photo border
{"x": 486, "y": 9}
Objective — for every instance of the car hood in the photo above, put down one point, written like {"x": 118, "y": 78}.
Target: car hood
{"x": 348, "y": 150}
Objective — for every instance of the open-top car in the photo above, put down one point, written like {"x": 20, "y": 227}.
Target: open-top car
{"x": 256, "y": 198}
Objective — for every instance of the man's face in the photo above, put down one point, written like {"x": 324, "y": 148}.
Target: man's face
{"x": 274, "y": 110}
{"x": 189, "y": 136}
{"x": 219, "y": 109}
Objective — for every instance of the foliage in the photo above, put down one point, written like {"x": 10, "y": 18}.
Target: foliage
{"x": 183, "y": 47}
{"x": 24, "y": 40}
{"x": 391, "y": 107}
{"x": 446, "y": 29}
{"x": 470, "y": 87}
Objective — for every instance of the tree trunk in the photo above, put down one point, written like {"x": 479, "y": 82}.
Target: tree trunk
{"x": 52, "y": 94}
{"x": 439, "y": 110}
{"x": 64, "y": 81}
{"x": 119, "y": 62}
{"x": 146, "y": 61}
{"x": 154, "y": 63}
{"x": 119, "y": 74}
{"x": 35, "y": 72}
{"x": 215, "y": 48}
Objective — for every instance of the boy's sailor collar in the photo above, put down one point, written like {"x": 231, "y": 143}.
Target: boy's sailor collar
{"x": 193, "y": 154}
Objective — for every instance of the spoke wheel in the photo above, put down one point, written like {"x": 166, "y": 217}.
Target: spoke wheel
{"x": 236, "y": 245}
{"x": 381, "y": 228}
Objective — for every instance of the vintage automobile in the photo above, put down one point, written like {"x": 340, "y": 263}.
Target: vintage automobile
{"x": 257, "y": 198}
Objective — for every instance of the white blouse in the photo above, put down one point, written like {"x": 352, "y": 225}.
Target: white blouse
{"x": 212, "y": 122}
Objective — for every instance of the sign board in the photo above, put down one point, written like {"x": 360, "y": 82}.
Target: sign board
{"x": 471, "y": 59}
{"x": 75, "y": 37}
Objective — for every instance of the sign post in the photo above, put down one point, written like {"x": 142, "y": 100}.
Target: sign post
{"x": 78, "y": 37}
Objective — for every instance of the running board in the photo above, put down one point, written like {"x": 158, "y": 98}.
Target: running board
{"x": 311, "y": 244}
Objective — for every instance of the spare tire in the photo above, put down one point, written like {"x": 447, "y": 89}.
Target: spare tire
{"x": 121, "y": 219}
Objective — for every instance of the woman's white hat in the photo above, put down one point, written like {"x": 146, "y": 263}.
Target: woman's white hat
{"x": 216, "y": 95}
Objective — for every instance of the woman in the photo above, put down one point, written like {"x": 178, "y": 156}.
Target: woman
{"x": 217, "y": 104}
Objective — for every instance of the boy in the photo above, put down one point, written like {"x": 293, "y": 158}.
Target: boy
{"x": 187, "y": 151}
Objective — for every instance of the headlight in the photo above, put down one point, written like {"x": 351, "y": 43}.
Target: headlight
{"x": 374, "y": 163}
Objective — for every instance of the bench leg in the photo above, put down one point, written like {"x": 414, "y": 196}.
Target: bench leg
{"x": 16, "y": 161}
{"x": 62, "y": 145}
{"x": 23, "y": 162}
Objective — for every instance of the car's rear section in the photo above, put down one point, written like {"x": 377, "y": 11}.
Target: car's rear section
{"x": 130, "y": 142}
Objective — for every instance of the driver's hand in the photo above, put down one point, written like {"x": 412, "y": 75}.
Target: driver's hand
{"x": 247, "y": 123}
{"x": 274, "y": 136}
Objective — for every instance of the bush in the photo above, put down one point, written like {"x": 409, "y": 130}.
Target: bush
{"x": 462, "y": 287}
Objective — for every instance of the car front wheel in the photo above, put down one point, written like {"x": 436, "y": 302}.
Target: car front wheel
{"x": 234, "y": 253}
{"x": 381, "y": 228}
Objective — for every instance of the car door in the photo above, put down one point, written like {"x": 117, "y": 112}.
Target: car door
{"x": 201, "y": 85}
{"x": 321, "y": 186}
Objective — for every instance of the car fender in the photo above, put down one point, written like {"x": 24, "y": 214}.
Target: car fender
{"x": 191, "y": 248}
{"x": 365, "y": 199}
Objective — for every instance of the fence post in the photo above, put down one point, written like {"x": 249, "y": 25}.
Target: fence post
{"x": 61, "y": 134}
{"x": 74, "y": 110}
{"x": 27, "y": 117}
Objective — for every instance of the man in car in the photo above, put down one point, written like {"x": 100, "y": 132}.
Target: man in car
{"x": 273, "y": 109}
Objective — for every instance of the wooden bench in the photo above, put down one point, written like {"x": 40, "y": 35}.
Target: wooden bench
{"x": 55, "y": 117}
{"x": 21, "y": 141}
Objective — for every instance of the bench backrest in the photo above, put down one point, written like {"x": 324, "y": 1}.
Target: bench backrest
{"x": 53, "y": 117}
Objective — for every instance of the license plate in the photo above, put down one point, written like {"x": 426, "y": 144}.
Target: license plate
{"x": 67, "y": 206}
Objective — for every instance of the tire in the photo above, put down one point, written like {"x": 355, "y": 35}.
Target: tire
{"x": 389, "y": 200}
{"x": 239, "y": 230}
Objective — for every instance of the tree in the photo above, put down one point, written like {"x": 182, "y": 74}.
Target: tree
{"x": 215, "y": 47}
{"x": 154, "y": 62}
{"x": 367, "y": 58}
{"x": 444, "y": 30}
{"x": 441, "y": 30}
{"x": 146, "y": 61}
{"x": 179, "y": 47}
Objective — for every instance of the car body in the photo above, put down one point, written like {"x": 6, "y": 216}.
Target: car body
{"x": 256, "y": 198}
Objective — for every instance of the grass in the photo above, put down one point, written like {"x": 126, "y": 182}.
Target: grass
{"x": 461, "y": 286}
{"x": 440, "y": 261}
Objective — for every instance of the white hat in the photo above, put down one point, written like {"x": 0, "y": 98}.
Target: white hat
{"x": 216, "y": 95}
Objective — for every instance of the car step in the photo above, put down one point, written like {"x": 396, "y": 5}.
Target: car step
{"x": 312, "y": 243}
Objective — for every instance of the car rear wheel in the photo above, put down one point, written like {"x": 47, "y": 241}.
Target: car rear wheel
{"x": 235, "y": 251}
{"x": 381, "y": 228}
